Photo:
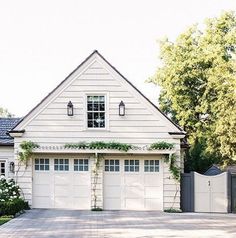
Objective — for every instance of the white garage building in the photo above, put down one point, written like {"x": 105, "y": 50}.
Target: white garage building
{"x": 96, "y": 103}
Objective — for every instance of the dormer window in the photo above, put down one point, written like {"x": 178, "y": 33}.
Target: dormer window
{"x": 96, "y": 111}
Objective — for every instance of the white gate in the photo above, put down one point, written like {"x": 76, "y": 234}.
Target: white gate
{"x": 210, "y": 193}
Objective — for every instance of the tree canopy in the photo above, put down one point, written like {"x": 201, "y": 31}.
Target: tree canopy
{"x": 198, "y": 81}
{"x": 5, "y": 113}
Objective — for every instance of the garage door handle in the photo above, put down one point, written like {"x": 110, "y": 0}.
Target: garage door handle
{"x": 209, "y": 183}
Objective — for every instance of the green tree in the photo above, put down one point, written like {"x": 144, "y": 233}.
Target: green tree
{"x": 198, "y": 81}
{"x": 5, "y": 113}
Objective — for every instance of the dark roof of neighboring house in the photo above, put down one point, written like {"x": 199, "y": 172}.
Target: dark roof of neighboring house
{"x": 6, "y": 124}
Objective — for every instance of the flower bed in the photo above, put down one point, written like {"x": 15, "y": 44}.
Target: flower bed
{"x": 11, "y": 201}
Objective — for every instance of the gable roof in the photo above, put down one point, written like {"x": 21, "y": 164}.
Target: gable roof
{"x": 180, "y": 130}
{"x": 6, "y": 124}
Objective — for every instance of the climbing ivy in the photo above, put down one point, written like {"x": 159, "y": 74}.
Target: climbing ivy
{"x": 162, "y": 145}
{"x": 27, "y": 148}
{"x": 100, "y": 145}
{"x": 173, "y": 167}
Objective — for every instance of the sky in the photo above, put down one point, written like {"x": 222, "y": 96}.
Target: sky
{"x": 42, "y": 41}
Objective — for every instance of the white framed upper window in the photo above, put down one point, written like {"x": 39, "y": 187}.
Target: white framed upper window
{"x": 3, "y": 167}
{"x": 41, "y": 164}
{"x": 96, "y": 111}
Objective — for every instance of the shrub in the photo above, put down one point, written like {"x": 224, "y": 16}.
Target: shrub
{"x": 10, "y": 200}
{"x": 162, "y": 145}
{"x": 13, "y": 207}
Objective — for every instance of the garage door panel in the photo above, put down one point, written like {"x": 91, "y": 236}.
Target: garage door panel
{"x": 82, "y": 203}
{"x": 81, "y": 191}
{"x": 62, "y": 179}
{"x": 112, "y": 192}
{"x": 112, "y": 203}
{"x": 42, "y": 178}
{"x": 152, "y": 192}
{"x": 153, "y": 204}
{"x": 42, "y": 202}
{"x": 62, "y": 202}
{"x": 152, "y": 180}
{"x": 134, "y": 192}
{"x": 112, "y": 179}
{"x": 132, "y": 180}
{"x": 62, "y": 189}
{"x": 81, "y": 179}
{"x": 42, "y": 189}
{"x": 134, "y": 204}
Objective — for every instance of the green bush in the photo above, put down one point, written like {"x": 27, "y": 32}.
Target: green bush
{"x": 162, "y": 145}
{"x": 10, "y": 200}
{"x": 13, "y": 207}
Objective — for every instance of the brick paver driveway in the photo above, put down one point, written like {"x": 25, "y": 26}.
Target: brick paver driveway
{"x": 127, "y": 224}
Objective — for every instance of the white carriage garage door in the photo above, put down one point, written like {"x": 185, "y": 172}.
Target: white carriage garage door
{"x": 135, "y": 183}
{"x": 61, "y": 183}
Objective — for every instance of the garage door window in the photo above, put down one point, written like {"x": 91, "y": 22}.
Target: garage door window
{"x": 41, "y": 164}
{"x": 112, "y": 165}
{"x": 80, "y": 164}
{"x": 61, "y": 164}
{"x": 151, "y": 165}
{"x": 131, "y": 165}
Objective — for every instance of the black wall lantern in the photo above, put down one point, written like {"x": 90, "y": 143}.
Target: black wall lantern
{"x": 121, "y": 108}
{"x": 70, "y": 109}
{"x": 12, "y": 167}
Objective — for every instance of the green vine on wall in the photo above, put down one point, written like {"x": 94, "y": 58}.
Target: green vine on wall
{"x": 27, "y": 148}
{"x": 100, "y": 145}
{"x": 173, "y": 167}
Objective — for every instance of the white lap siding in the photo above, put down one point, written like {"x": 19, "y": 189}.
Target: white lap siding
{"x": 7, "y": 154}
{"x": 141, "y": 126}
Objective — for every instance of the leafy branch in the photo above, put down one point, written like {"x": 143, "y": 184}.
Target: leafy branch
{"x": 162, "y": 145}
{"x": 27, "y": 148}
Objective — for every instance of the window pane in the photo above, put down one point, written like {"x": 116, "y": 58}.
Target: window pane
{"x": 156, "y": 169}
{"x": 81, "y": 168}
{"x": 106, "y": 168}
{"x": 95, "y": 124}
{"x": 106, "y": 162}
{"x": 126, "y": 168}
{"x": 136, "y": 162}
{"x": 36, "y": 167}
{"x": 46, "y": 161}
{"x": 131, "y": 162}
{"x": 117, "y": 168}
{"x": 86, "y": 168}
{"x": 131, "y": 168}
{"x": 151, "y": 162}
{"x": 41, "y": 161}
{"x": 86, "y": 161}
{"x": 117, "y": 162}
{"x": 66, "y": 167}
{"x": 56, "y": 161}
{"x": 151, "y": 169}
{"x": 55, "y": 167}
{"x": 157, "y": 162}
{"x": 90, "y": 123}
{"x": 112, "y": 168}
{"x": 101, "y": 107}
{"x": 46, "y": 167}
{"x": 36, "y": 161}
{"x": 61, "y": 161}
{"x": 61, "y": 167}
{"x": 146, "y": 162}
{"x": 126, "y": 162}
{"x": 136, "y": 168}
{"x": 66, "y": 161}
{"x": 75, "y": 161}
{"x": 75, "y": 168}
{"x": 90, "y": 107}
{"x": 95, "y": 107}
{"x": 146, "y": 169}
{"x": 111, "y": 162}
{"x": 41, "y": 167}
